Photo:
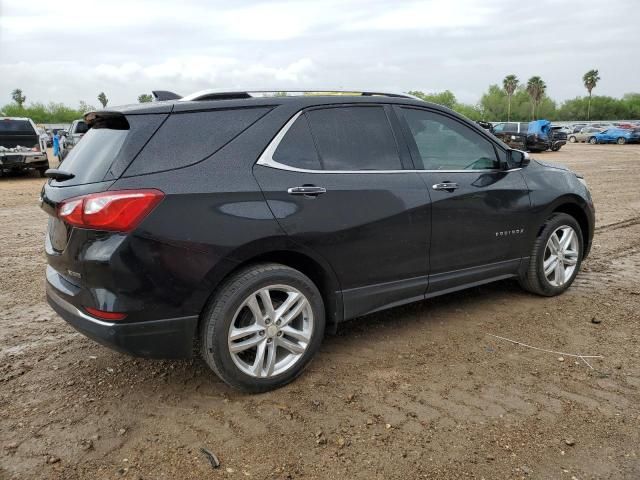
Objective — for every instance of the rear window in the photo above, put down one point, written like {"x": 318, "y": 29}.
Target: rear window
{"x": 15, "y": 126}
{"x": 91, "y": 158}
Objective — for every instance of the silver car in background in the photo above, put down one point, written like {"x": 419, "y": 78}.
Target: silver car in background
{"x": 584, "y": 134}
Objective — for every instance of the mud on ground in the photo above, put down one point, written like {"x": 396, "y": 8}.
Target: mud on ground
{"x": 420, "y": 391}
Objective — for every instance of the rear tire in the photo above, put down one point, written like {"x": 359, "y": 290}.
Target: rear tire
{"x": 246, "y": 335}
{"x": 621, "y": 141}
{"x": 543, "y": 276}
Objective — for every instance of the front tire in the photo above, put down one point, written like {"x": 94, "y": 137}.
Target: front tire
{"x": 572, "y": 139}
{"x": 593, "y": 140}
{"x": 621, "y": 141}
{"x": 556, "y": 257}
{"x": 262, "y": 327}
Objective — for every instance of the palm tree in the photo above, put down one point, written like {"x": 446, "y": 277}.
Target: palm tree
{"x": 102, "y": 98}
{"x": 510, "y": 83}
{"x": 18, "y": 97}
{"x": 535, "y": 88}
{"x": 590, "y": 80}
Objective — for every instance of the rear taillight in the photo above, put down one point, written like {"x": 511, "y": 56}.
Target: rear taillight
{"x": 119, "y": 211}
{"x": 36, "y": 148}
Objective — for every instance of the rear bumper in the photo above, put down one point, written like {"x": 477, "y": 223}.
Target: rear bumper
{"x": 13, "y": 162}
{"x": 166, "y": 338}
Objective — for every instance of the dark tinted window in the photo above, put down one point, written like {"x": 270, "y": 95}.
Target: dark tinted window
{"x": 188, "y": 138}
{"x": 15, "y": 126}
{"x": 297, "y": 148}
{"x": 81, "y": 127}
{"x": 524, "y": 127}
{"x": 446, "y": 144}
{"x": 354, "y": 138}
{"x": 511, "y": 127}
{"x": 90, "y": 159}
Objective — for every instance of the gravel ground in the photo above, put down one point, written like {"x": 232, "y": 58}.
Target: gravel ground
{"x": 421, "y": 391}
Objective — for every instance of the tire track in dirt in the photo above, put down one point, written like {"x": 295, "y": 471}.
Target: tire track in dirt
{"x": 616, "y": 225}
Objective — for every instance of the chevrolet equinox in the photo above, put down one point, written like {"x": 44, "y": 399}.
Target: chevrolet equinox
{"x": 246, "y": 225}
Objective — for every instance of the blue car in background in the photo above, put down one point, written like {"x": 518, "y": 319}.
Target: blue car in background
{"x": 616, "y": 135}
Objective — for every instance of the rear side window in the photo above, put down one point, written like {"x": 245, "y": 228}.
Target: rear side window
{"x": 354, "y": 138}
{"x": 188, "y": 138}
{"x": 297, "y": 148}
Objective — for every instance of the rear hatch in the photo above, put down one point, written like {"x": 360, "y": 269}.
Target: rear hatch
{"x": 107, "y": 149}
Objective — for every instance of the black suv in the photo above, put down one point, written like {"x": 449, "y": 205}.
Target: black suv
{"x": 249, "y": 226}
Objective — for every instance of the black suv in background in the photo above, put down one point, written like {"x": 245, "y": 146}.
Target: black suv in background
{"x": 250, "y": 226}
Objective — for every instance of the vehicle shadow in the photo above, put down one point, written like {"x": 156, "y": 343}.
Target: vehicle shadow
{"x": 192, "y": 378}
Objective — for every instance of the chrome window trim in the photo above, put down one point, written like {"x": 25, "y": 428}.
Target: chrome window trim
{"x": 266, "y": 159}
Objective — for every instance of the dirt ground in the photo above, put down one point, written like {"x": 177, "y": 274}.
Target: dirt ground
{"x": 421, "y": 391}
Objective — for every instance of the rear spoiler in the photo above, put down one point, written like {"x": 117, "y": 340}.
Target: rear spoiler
{"x": 106, "y": 119}
{"x": 160, "y": 95}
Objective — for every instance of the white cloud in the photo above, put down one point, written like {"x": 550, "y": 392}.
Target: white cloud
{"x": 72, "y": 51}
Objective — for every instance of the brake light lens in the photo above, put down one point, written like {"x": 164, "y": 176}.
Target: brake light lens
{"x": 119, "y": 211}
{"x": 36, "y": 148}
{"x": 102, "y": 315}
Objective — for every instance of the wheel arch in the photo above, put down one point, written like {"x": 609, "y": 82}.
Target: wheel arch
{"x": 577, "y": 212}
{"x": 320, "y": 273}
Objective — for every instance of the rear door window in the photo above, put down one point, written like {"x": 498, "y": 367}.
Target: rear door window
{"x": 354, "y": 138}
{"x": 297, "y": 148}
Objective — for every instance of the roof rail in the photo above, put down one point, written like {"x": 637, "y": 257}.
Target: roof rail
{"x": 221, "y": 94}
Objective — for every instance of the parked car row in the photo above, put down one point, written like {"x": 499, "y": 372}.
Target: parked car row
{"x": 610, "y": 135}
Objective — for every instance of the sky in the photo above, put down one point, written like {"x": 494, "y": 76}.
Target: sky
{"x": 70, "y": 51}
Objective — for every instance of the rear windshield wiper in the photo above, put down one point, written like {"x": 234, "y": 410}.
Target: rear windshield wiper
{"x": 59, "y": 175}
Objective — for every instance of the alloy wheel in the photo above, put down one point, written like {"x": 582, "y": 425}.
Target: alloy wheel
{"x": 271, "y": 331}
{"x": 561, "y": 256}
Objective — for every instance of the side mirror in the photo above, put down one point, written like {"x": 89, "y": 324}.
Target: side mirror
{"x": 518, "y": 158}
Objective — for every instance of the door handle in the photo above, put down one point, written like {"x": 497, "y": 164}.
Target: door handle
{"x": 307, "y": 190}
{"x": 448, "y": 186}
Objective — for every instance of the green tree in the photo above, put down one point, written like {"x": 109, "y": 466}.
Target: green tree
{"x": 536, "y": 89}
{"x": 18, "y": 97}
{"x": 145, "y": 98}
{"x": 590, "y": 80}
{"x": 509, "y": 83}
{"x": 102, "y": 98}
{"x": 84, "y": 107}
{"x": 446, "y": 98}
